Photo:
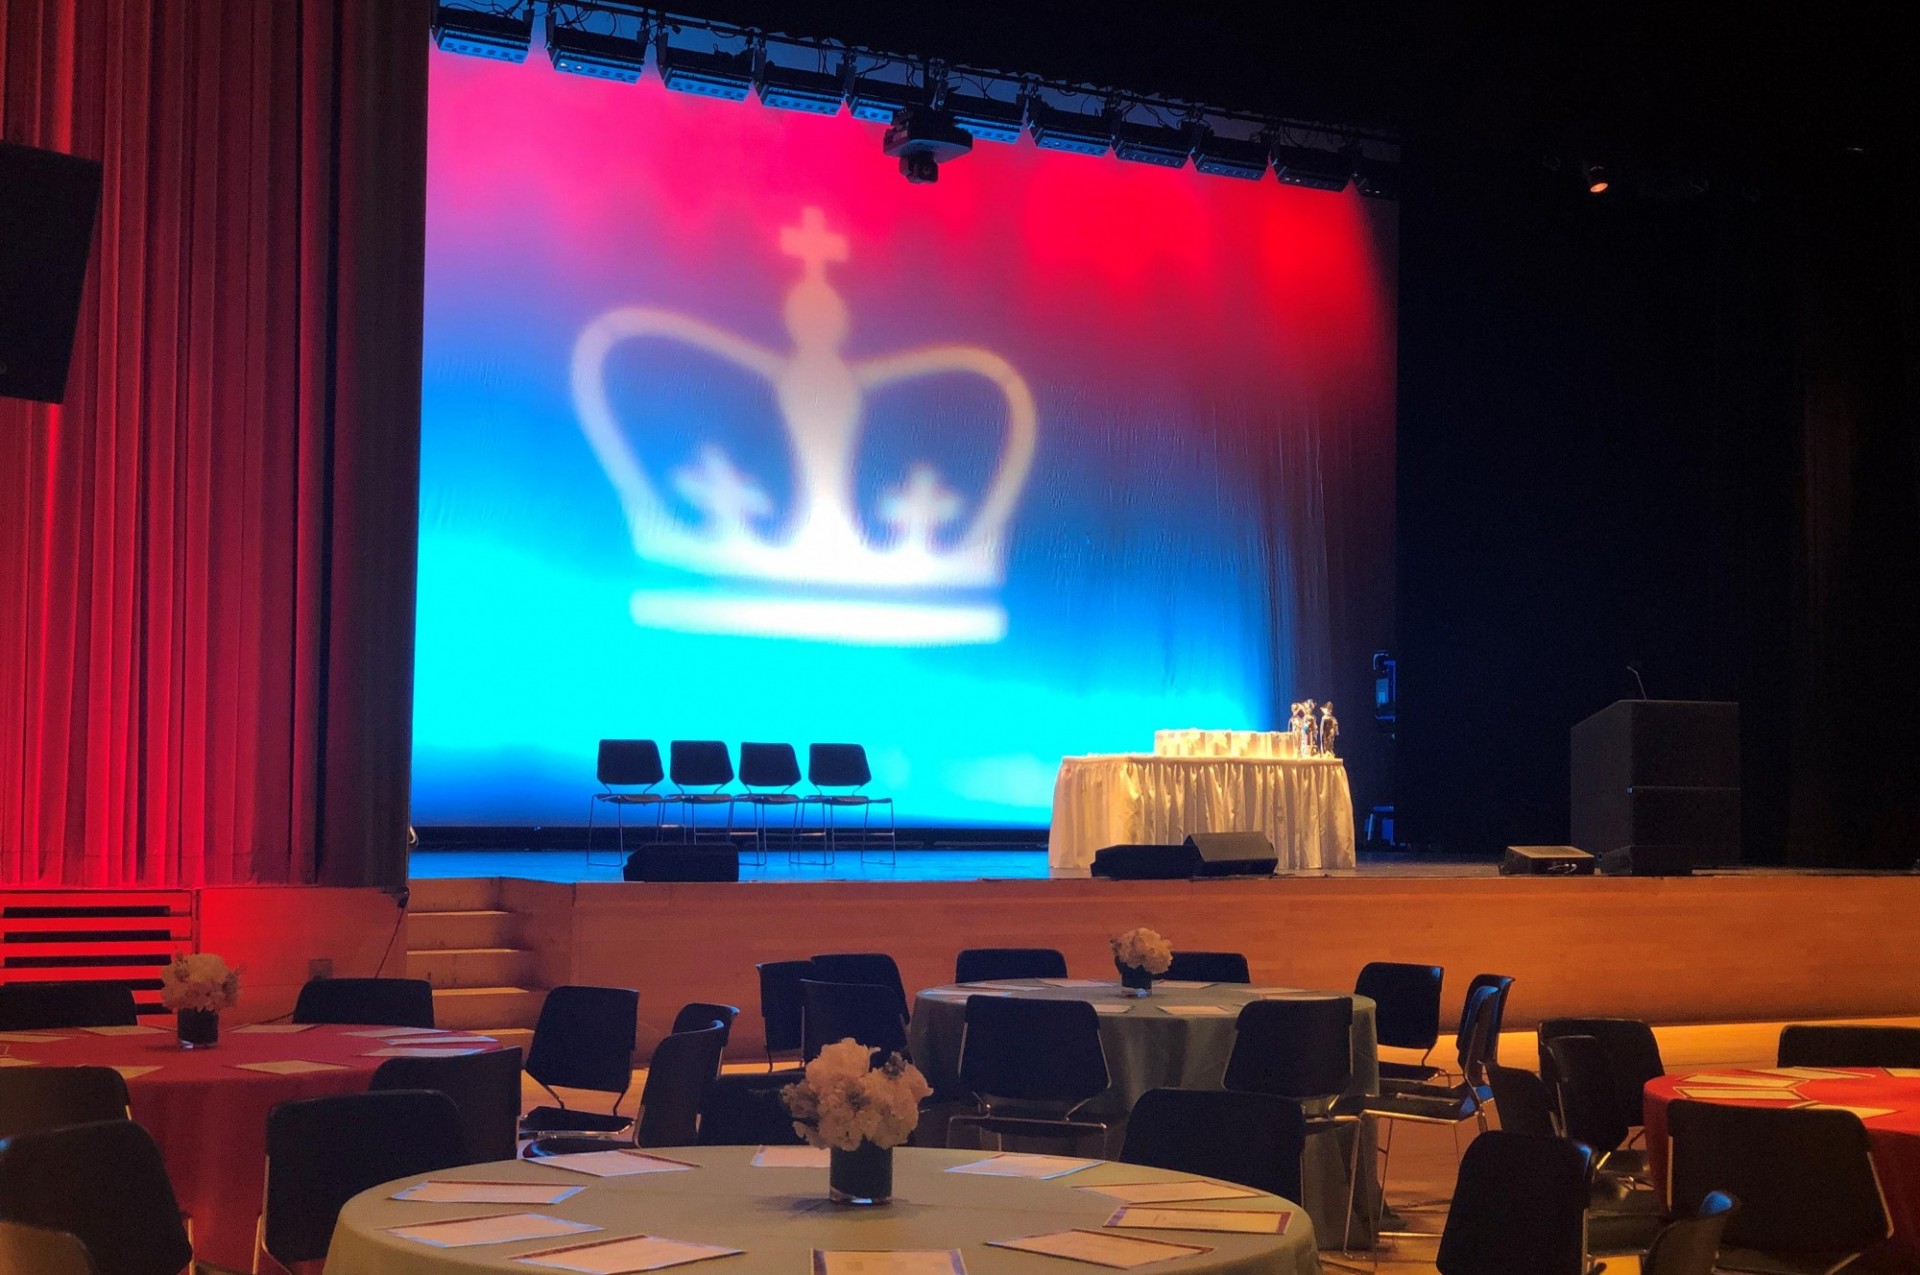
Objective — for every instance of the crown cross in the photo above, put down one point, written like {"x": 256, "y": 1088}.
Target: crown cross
{"x": 919, "y": 507}
{"x": 813, "y": 243}
{"x": 728, "y": 497}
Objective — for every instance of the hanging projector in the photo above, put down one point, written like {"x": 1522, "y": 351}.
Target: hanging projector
{"x": 922, "y": 140}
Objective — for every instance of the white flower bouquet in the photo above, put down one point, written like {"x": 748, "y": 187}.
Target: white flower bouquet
{"x": 1142, "y": 949}
{"x": 201, "y": 981}
{"x": 845, "y": 1100}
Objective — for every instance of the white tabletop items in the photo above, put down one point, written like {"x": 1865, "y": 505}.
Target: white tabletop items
{"x": 954, "y": 1213}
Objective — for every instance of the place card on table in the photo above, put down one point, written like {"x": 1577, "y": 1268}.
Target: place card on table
{"x": 1245, "y": 1222}
{"x": 1171, "y": 1192}
{"x": 1102, "y": 1248}
{"x": 419, "y": 1051}
{"x": 1112, "y": 1007}
{"x": 1076, "y": 982}
{"x": 441, "y": 1191}
{"x": 500, "y": 1228}
{"x": 388, "y": 1033}
{"x": 1810, "y": 1073}
{"x": 127, "y": 1029}
{"x": 617, "y": 1163}
{"x": 1180, "y": 984}
{"x": 272, "y": 1029}
{"x": 1898, "y": 1073}
{"x": 134, "y": 1073}
{"x": 1199, "y": 1011}
{"x": 937, "y": 1261}
{"x": 791, "y": 1158}
{"x": 8, "y": 1060}
{"x": 291, "y": 1067}
{"x": 1015, "y": 1165}
{"x": 1741, "y": 1093}
{"x": 624, "y": 1256}
{"x": 1719, "y": 1080}
{"x": 30, "y": 1038}
{"x": 1865, "y": 1113}
{"x": 1004, "y": 984}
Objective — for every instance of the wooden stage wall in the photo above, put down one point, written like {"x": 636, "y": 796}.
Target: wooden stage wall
{"x": 1670, "y": 950}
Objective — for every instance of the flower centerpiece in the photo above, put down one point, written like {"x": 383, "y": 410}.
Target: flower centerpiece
{"x": 1141, "y": 955}
{"x": 196, "y": 988}
{"x": 860, "y": 1113}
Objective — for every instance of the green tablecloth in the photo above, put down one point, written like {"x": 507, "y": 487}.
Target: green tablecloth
{"x": 779, "y": 1215}
{"x": 1148, "y": 1048}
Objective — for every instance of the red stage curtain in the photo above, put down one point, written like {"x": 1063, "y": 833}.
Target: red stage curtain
{"x": 207, "y": 554}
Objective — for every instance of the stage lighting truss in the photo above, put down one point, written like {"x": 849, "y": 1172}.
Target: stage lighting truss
{"x": 502, "y": 36}
{"x": 607, "y": 39}
{"x": 1314, "y": 169}
{"x": 600, "y": 55}
{"x": 1076, "y": 132}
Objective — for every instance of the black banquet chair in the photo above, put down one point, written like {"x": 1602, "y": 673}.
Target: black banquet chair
{"x": 35, "y": 1099}
{"x": 321, "y": 1152}
{"x": 700, "y": 769}
{"x": 35, "y": 1250}
{"x": 1031, "y": 1065}
{"x": 746, "y": 1111}
{"x": 876, "y": 968}
{"x": 1632, "y": 1054}
{"x": 781, "y": 1007}
{"x": 697, "y": 1014}
{"x": 1208, "y": 967}
{"x": 1691, "y": 1245}
{"x": 629, "y": 771}
{"x": 371, "y": 1002}
{"x": 1253, "y": 1139}
{"x": 1406, "y": 1014}
{"x": 988, "y": 964}
{"x": 683, "y": 1066}
{"x": 583, "y": 1039}
{"x": 768, "y": 775}
{"x": 485, "y": 1089}
{"x": 1519, "y": 1208}
{"x": 1847, "y": 1045}
{"x": 1589, "y": 1109}
{"x": 839, "y": 773}
{"x": 1810, "y": 1199}
{"x": 1522, "y": 1101}
{"x": 861, "y": 1011}
{"x": 104, "y": 1184}
{"x": 26, "y": 1007}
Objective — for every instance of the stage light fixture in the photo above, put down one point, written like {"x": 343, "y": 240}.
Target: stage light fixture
{"x": 1377, "y": 179}
{"x": 877, "y": 100}
{"x": 1077, "y": 132}
{"x": 728, "y": 76}
{"x": 595, "y": 54}
{"x": 1155, "y": 144}
{"x": 922, "y": 140}
{"x": 988, "y": 119}
{"x": 1595, "y": 175}
{"x": 504, "y": 37}
{"x": 792, "y": 89}
{"x": 1314, "y": 169}
{"x": 1245, "y": 158}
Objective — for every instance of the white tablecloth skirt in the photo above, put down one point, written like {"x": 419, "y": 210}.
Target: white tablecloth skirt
{"x": 1225, "y": 743}
{"x": 1303, "y": 805}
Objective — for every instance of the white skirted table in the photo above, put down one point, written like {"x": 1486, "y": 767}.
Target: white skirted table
{"x": 777, "y": 1218}
{"x": 1302, "y": 804}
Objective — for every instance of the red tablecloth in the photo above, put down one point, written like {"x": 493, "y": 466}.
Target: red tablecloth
{"x": 210, "y": 1116}
{"x": 1895, "y": 1139}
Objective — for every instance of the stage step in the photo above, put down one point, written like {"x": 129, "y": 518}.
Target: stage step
{"x": 453, "y": 894}
{"x": 448, "y": 967}
{"x": 486, "y": 1009}
{"x": 465, "y": 928}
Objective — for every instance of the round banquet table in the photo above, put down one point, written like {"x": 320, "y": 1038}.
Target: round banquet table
{"x": 1894, "y": 1138}
{"x": 1302, "y": 804}
{"x": 778, "y": 1216}
{"x": 209, "y": 1115}
{"x": 1150, "y": 1048}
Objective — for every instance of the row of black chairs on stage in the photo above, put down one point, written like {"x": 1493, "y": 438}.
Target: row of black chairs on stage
{"x": 630, "y": 774}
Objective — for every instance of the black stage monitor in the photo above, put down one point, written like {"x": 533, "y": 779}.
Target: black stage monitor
{"x": 48, "y": 202}
{"x": 1546, "y": 861}
{"x": 1204, "y": 854}
{"x": 683, "y": 863}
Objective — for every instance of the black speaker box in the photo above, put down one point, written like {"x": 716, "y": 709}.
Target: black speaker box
{"x": 1143, "y": 863}
{"x": 1230, "y": 854}
{"x": 1651, "y": 861}
{"x": 682, "y": 863}
{"x": 48, "y": 203}
{"x": 1546, "y": 861}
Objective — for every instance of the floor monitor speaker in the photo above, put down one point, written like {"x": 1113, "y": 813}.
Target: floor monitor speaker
{"x": 1650, "y": 861}
{"x": 1143, "y": 863}
{"x": 1231, "y": 854}
{"x": 682, "y": 863}
{"x": 48, "y": 202}
{"x": 1546, "y": 861}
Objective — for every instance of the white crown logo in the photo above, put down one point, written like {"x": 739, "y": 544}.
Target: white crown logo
{"x": 823, "y": 540}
